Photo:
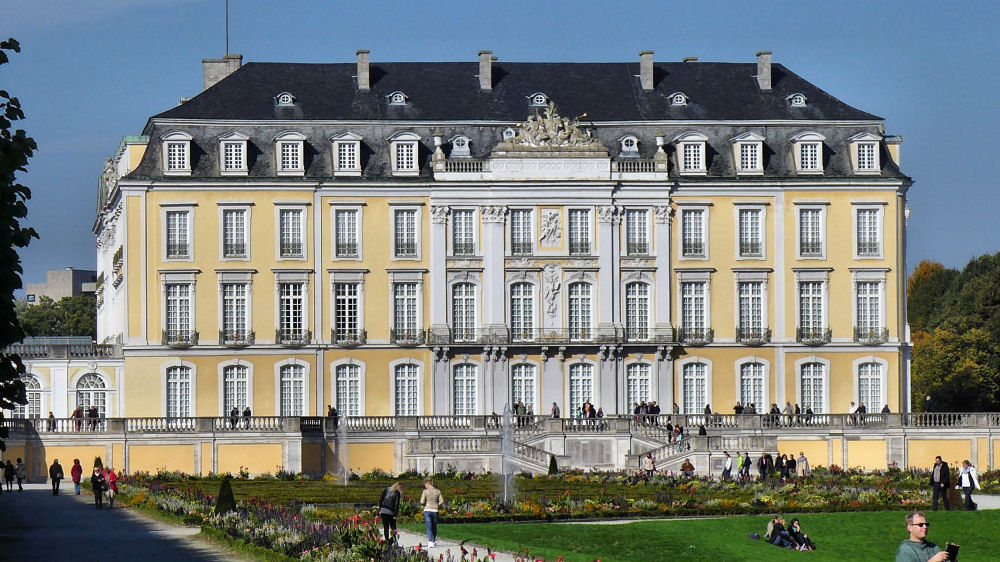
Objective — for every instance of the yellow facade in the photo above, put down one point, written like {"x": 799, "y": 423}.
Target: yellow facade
{"x": 921, "y": 452}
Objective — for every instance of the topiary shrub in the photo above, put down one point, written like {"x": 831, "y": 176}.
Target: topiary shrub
{"x": 225, "y": 501}
{"x": 553, "y": 467}
{"x": 98, "y": 463}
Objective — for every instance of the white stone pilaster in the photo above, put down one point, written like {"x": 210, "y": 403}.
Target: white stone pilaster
{"x": 438, "y": 269}
{"x": 608, "y": 311}
{"x": 441, "y": 382}
{"x": 662, "y": 294}
{"x": 493, "y": 218}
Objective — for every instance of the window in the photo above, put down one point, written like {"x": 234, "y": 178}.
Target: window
{"x": 870, "y": 386}
{"x": 868, "y": 232}
{"x": 291, "y": 312}
{"x": 460, "y": 147}
{"x": 812, "y": 384}
{"x": 346, "y": 230}
{"x": 234, "y": 233}
{"x": 404, "y": 152}
{"x": 33, "y": 391}
{"x": 520, "y": 232}
{"x": 869, "y": 309}
{"x": 235, "y": 388}
{"x": 691, "y": 153}
{"x": 810, "y": 156}
{"x": 404, "y": 233}
{"x": 523, "y": 385}
{"x": 748, "y": 151}
{"x": 233, "y": 154}
{"x": 579, "y": 232}
{"x": 579, "y": 311}
{"x": 808, "y": 148}
{"x": 463, "y": 232}
{"x": 92, "y": 392}
{"x": 397, "y": 98}
{"x": 178, "y": 235}
{"x": 637, "y": 311}
{"x": 796, "y": 100}
{"x": 289, "y": 150}
{"x": 630, "y": 145}
{"x": 752, "y": 385}
{"x": 538, "y": 99}
{"x": 176, "y": 154}
{"x": 637, "y": 383}
{"x": 234, "y": 313}
{"x": 406, "y": 390}
{"x": 178, "y": 392}
{"x": 464, "y": 386}
{"x": 178, "y": 312}
{"x": 811, "y": 326}
{"x": 749, "y": 157}
{"x": 284, "y": 98}
{"x": 678, "y": 98}
{"x": 291, "y": 225}
{"x": 346, "y": 154}
{"x": 693, "y": 317}
{"x": 867, "y": 156}
{"x": 581, "y": 387}
{"x": 509, "y": 134}
{"x": 751, "y": 232}
{"x": 522, "y": 312}
{"x": 463, "y": 312}
{"x": 636, "y": 232}
{"x": 812, "y": 226}
{"x": 693, "y": 239}
{"x": 692, "y": 157}
{"x": 865, "y": 153}
{"x": 695, "y": 387}
{"x": 346, "y": 307}
{"x": 404, "y": 317}
{"x": 348, "y": 390}
{"x": 751, "y": 306}
{"x": 292, "y": 385}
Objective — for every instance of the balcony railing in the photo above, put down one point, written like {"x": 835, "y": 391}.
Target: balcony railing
{"x": 236, "y": 338}
{"x": 811, "y": 248}
{"x": 179, "y": 338}
{"x": 348, "y": 338}
{"x": 753, "y": 336}
{"x": 234, "y": 250}
{"x": 579, "y": 247}
{"x": 176, "y": 251}
{"x": 463, "y": 248}
{"x": 635, "y": 165}
{"x": 463, "y": 165}
{"x": 407, "y": 336}
{"x": 695, "y": 336}
{"x": 520, "y": 248}
{"x": 871, "y": 335}
{"x": 347, "y": 249}
{"x": 63, "y": 350}
{"x": 869, "y": 248}
{"x": 292, "y": 337}
{"x": 406, "y": 249}
{"x": 291, "y": 249}
{"x": 750, "y": 249}
{"x": 813, "y": 336}
{"x": 643, "y": 334}
{"x": 693, "y": 249}
{"x": 637, "y": 248}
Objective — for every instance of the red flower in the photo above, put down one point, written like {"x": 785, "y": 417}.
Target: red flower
{"x": 418, "y": 547}
{"x": 493, "y": 555}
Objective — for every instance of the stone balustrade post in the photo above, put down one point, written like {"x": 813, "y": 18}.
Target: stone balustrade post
{"x": 620, "y": 425}
{"x": 291, "y": 424}
{"x": 116, "y": 425}
{"x": 554, "y": 425}
{"x": 204, "y": 425}
{"x": 894, "y": 421}
{"x": 478, "y": 423}
{"x": 407, "y": 423}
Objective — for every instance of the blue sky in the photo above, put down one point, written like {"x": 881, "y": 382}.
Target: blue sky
{"x": 92, "y": 72}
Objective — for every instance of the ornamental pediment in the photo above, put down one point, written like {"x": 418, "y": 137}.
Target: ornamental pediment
{"x": 547, "y": 131}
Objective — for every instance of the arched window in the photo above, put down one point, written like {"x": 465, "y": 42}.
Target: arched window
{"x": 406, "y": 390}
{"x": 695, "y": 385}
{"x": 91, "y": 391}
{"x": 522, "y": 385}
{"x": 33, "y": 389}
{"x": 637, "y": 311}
{"x": 235, "y": 388}
{"x": 752, "y": 385}
{"x": 464, "y": 385}
{"x": 463, "y": 311}
{"x": 812, "y": 382}
{"x": 292, "y": 383}
{"x": 579, "y": 311}
{"x": 581, "y": 387}
{"x": 870, "y": 386}
{"x": 637, "y": 383}
{"x": 522, "y": 312}
{"x": 348, "y": 384}
{"x": 179, "y": 392}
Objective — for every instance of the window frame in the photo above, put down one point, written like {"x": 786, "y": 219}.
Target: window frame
{"x": 347, "y": 277}
{"x": 292, "y": 278}
{"x": 879, "y": 228}
{"x": 822, "y": 209}
{"x": 166, "y": 210}
{"x": 630, "y": 397}
{"x": 528, "y": 379}
{"x": 883, "y": 378}
{"x": 878, "y": 278}
{"x": 825, "y": 381}
{"x": 278, "y": 368}
{"x": 685, "y": 209}
{"x": 761, "y": 210}
{"x": 417, "y": 232}
{"x": 637, "y": 248}
{"x": 175, "y": 139}
{"x": 473, "y": 233}
{"x": 294, "y": 139}
{"x": 474, "y": 380}
{"x": 765, "y": 364}
{"x": 400, "y": 140}
{"x": 572, "y": 239}
{"x": 302, "y": 208}
{"x": 418, "y": 376}
{"x": 703, "y": 277}
{"x": 358, "y": 210}
{"x": 224, "y": 208}
{"x": 516, "y": 320}
{"x": 407, "y": 277}
{"x": 516, "y": 246}
{"x": 869, "y": 141}
{"x": 585, "y": 313}
{"x": 236, "y": 278}
{"x": 590, "y": 368}
{"x": 234, "y": 139}
{"x": 165, "y": 370}
{"x": 696, "y": 141}
{"x": 743, "y": 278}
{"x": 334, "y": 394}
{"x": 638, "y": 332}
{"x": 813, "y": 276}
{"x": 748, "y": 139}
{"x": 222, "y": 367}
{"x": 811, "y": 139}
{"x": 468, "y": 333}
{"x": 681, "y": 367}
{"x": 346, "y": 138}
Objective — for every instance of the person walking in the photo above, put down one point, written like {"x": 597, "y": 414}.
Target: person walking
{"x": 431, "y": 499}
{"x": 76, "y": 473}
{"x": 111, "y": 480}
{"x": 747, "y": 463}
{"x": 21, "y": 472}
{"x": 97, "y": 482}
{"x": 55, "y": 474}
{"x": 388, "y": 508}
{"x": 727, "y": 468}
{"x": 940, "y": 481}
{"x": 8, "y": 475}
{"x": 966, "y": 479}
{"x": 802, "y": 465}
{"x": 648, "y": 466}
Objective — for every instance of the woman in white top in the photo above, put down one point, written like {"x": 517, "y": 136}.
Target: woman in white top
{"x": 968, "y": 481}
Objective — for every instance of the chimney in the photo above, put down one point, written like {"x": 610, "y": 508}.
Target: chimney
{"x": 764, "y": 70}
{"x": 485, "y": 71}
{"x": 364, "y": 78}
{"x": 646, "y": 70}
{"x": 214, "y": 70}
{"x": 689, "y": 59}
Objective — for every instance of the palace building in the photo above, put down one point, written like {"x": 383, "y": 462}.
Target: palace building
{"x": 446, "y": 239}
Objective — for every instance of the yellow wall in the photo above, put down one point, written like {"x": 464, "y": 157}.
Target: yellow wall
{"x": 867, "y": 453}
{"x": 921, "y": 452}
{"x": 168, "y": 457}
{"x": 206, "y": 457}
{"x": 817, "y": 451}
{"x": 258, "y": 459}
{"x": 837, "y": 457}
{"x": 86, "y": 454}
{"x": 312, "y": 457}
{"x": 364, "y": 457}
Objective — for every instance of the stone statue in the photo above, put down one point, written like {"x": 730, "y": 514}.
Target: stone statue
{"x": 551, "y": 227}
{"x": 553, "y": 284}
{"x": 552, "y": 130}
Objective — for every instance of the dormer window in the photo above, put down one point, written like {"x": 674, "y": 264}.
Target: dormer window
{"x": 460, "y": 147}
{"x": 630, "y": 145}
{"x": 405, "y": 153}
{"x": 176, "y": 154}
{"x": 748, "y": 151}
{"x": 233, "y": 154}
{"x": 808, "y": 152}
{"x": 509, "y": 134}
{"x": 346, "y": 154}
{"x": 678, "y": 98}
{"x": 289, "y": 154}
{"x": 538, "y": 99}
{"x": 865, "y": 153}
{"x": 796, "y": 100}
{"x": 691, "y": 153}
{"x": 284, "y": 98}
{"x": 397, "y": 98}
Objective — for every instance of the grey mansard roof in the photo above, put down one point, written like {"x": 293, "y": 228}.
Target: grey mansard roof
{"x": 449, "y": 91}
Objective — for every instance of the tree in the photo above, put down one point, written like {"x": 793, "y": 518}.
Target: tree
{"x": 70, "y": 316}
{"x": 955, "y": 369}
{"x": 925, "y": 290}
{"x": 15, "y": 149}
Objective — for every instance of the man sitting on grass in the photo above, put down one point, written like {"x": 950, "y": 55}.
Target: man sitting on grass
{"x": 917, "y": 548}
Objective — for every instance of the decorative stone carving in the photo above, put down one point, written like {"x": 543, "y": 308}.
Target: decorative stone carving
{"x": 551, "y": 227}
{"x": 663, "y": 214}
{"x": 439, "y": 214}
{"x": 553, "y": 284}
{"x": 492, "y": 213}
{"x": 549, "y": 129}
{"x": 607, "y": 213}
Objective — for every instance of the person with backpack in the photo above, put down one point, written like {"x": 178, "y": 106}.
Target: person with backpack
{"x": 388, "y": 508}
{"x": 21, "y": 472}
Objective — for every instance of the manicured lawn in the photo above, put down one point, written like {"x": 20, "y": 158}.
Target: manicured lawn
{"x": 838, "y": 536}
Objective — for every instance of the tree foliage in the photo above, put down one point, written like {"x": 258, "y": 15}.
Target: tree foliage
{"x": 15, "y": 149}
{"x": 69, "y": 316}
